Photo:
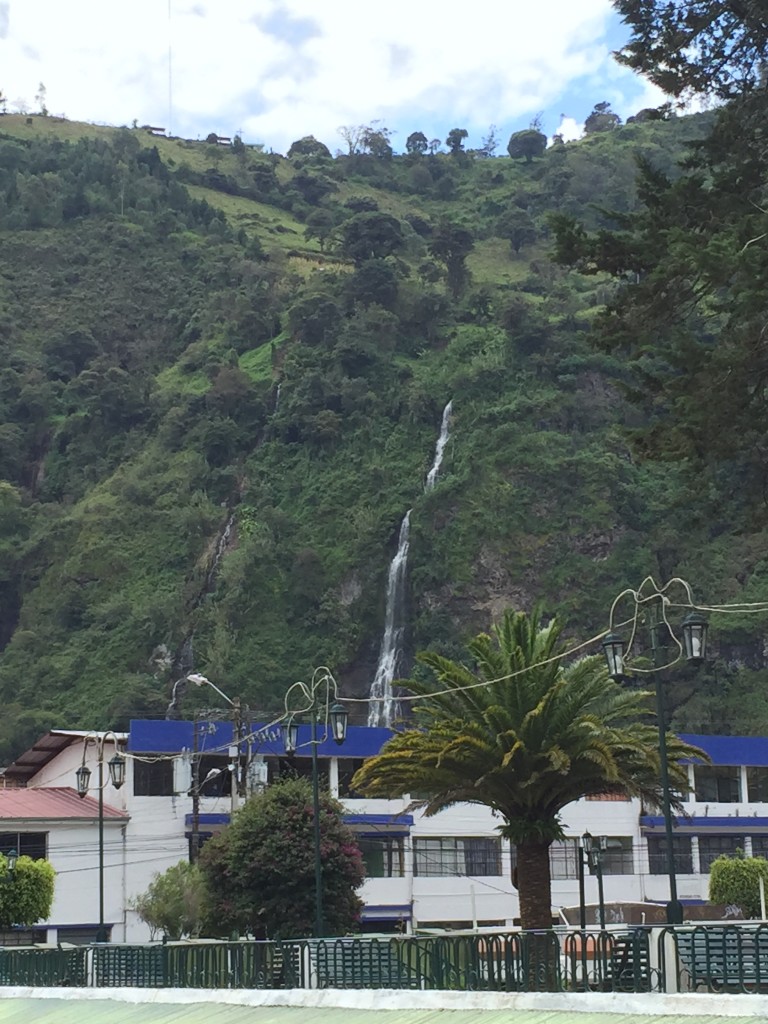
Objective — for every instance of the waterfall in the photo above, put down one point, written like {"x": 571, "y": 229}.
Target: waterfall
{"x": 223, "y": 542}
{"x": 382, "y": 699}
{"x": 383, "y": 705}
{"x": 184, "y": 660}
{"x": 439, "y": 447}
{"x": 277, "y": 398}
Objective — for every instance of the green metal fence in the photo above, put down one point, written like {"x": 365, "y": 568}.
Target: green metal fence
{"x": 712, "y": 958}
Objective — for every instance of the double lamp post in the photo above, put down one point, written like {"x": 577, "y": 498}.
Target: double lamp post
{"x": 316, "y": 705}
{"x": 116, "y": 768}
{"x": 694, "y": 647}
{"x": 318, "y": 702}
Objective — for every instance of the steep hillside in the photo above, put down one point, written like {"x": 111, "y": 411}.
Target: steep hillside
{"x": 224, "y": 375}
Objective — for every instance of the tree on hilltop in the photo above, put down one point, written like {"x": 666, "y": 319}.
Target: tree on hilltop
{"x": 455, "y": 140}
{"x": 602, "y": 119}
{"x": 527, "y": 144}
{"x": 416, "y": 143}
{"x": 308, "y": 146}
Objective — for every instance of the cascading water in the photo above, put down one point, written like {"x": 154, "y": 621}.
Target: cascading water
{"x": 442, "y": 441}
{"x": 382, "y": 699}
{"x": 184, "y": 661}
{"x": 383, "y": 705}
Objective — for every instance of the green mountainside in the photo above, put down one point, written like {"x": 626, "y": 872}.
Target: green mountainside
{"x": 222, "y": 381}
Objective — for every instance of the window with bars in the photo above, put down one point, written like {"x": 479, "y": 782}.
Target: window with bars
{"x": 383, "y": 856}
{"x": 447, "y": 856}
{"x": 760, "y": 846}
{"x": 26, "y": 844}
{"x": 617, "y": 858}
{"x": 712, "y": 847}
{"x": 681, "y": 850}
{"x": 563, "y": 859}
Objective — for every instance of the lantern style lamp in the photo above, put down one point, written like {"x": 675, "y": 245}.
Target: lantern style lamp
{"x": 117, "y": 770}
{"x": 290, "y": 730}
{"x": 339, "y": 717}
{"x": 613, "y": 648}
{"x": 695, "y": 637}
{"x": 83, "y": 776}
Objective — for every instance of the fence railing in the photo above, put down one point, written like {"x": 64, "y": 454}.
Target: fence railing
{"x": 711, "y": 958}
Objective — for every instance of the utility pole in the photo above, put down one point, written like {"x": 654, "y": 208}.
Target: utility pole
{"x": 194, "y": 847}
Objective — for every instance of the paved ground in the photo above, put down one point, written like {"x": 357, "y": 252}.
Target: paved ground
{"x": 164, "y": 1006}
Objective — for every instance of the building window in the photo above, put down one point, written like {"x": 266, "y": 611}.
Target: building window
{"x": 617, "y": 856}
{"x": 657, "y": 855}
{"x": 712, "y": 847}
{"x": 757, "y": 785}
{"x": 383, "y": 856}
{"x": 347, "y": 768}
{"x": 26, "y": 844}
{"x": 215, "y": 778}
{"x": 760, "y": 846}
{"x": 290, "y": 767}
{"x": 563, "y": 859}
{"x": 447, "y": 857}
{"x": 718, "y": 784}
{"x": 564, "y": 854}
{"x": 153, "y": 778}
{"x": 26, "y": 937}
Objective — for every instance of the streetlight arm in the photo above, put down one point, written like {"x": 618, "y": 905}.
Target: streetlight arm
{"x": 201, "y": 680}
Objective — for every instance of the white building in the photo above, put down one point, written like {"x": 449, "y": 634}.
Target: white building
{"x": 450, "y": 870}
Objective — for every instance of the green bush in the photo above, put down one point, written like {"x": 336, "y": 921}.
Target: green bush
{"x": 735, "y": 881}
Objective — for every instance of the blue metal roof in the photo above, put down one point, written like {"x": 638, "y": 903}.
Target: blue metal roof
{"x": 161, "y": 736}
{"x": 732, "y": 750}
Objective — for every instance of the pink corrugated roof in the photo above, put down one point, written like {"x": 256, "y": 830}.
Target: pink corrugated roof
{"x": 52, "y": 803}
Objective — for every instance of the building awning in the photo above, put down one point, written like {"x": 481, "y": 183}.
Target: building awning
{"x": 706, "y": 823}
{"x": 387, "y": 912}
{"x": 207, "y": 824}
{"x": 46, "y": 748}
{"x": 380, "y": 824}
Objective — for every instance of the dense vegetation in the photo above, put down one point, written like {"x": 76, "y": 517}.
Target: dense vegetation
{"x": 223, "y": 374}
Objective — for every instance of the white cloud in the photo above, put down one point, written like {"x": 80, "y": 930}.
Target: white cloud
{"x": 283, "y": 70}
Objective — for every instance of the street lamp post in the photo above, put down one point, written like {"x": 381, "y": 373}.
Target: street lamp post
{"x": 694, "y": 647}
{"x": 317, "y": 705}
{"x": 237, "y": 781}
{"x": 117, "y": 778}
{"x": 593, "y": 850}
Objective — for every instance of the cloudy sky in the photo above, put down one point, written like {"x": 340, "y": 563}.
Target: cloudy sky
{"x": 276, "y": 70}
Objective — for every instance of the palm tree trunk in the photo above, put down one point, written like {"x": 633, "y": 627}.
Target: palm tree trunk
{"x": 534, "y": 885}
{"x": 541, "y": 945}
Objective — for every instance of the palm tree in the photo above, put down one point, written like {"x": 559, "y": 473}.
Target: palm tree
{"x": 524, "y": 735}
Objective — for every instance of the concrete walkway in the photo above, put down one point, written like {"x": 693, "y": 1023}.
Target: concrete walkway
{"x": 332, "y": 1006}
